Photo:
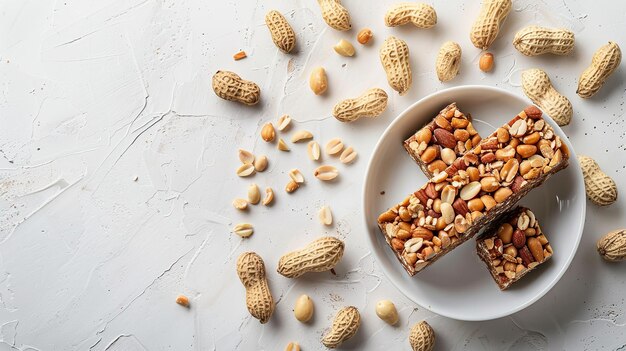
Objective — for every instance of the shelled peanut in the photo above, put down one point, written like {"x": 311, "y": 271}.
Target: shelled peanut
{"x": 318, "y": 256}
{"x": 612, "y": 246}
{"x": 345, "y": 325}
{"x": 600, "y": 188}
{"x": 283, "y": 35}
{"x": 386, "y": 311}
{"x": 535, "y": 40}
{"x": 251, "y": 272}
{"x": 419, "y": 14}
{"x": 335, "y": 15}
{"x": 229, "y": 86}
{"x": 394, "y": 56}
{"x": 303, "y": 310}
{"x": 369, "y": 104}
{"x": 487, "y": 25}
{"x": 538, "y": 87}
{"x": 318, "y": 81}
{"x": 604, "y": 62}
{"x": 448, "y": 61}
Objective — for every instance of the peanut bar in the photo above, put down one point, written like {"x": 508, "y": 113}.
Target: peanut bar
{"x": 513, "y": 246}
{"x": 476, "y": 189}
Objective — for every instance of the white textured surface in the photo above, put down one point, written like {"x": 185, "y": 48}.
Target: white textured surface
{"x": 94, "y": 93}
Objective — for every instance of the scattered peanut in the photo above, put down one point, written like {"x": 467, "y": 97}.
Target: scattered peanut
{"x": 282, "y": 146}
{"x": 601, "y": 189}
{"x": 246, "y": 156}
{"x": 326, "y": 172}
{"x": 364, "y": 36}
{"x": 486, "y": 27}
{"x": 269, "y": 196}
{"x": 422, "y": 337}
{"x": 283, "y": 122}
{"x": 335, "y": 15}
{"x": 283, "y": 35}
{"x": 260, "y": 163}
{"x": 604, "y": 62}
{"x": 348, "y": 155}
{"x": 292, "y": 346}
{"x": 334, "y": 146}
{"x": 240, "y": 56}
{"x": 612, "y": 246}
{"x": 229, "y": 86}
{"x": 448, "y": 61}
{"x": 182, "y": 300}
{"x": 344, "y": 48}
{"x": 254, "y": 194}
{"x": 486, "y": 62}
{"x": 386, "y": 311}
{"x": 369, "y": 104}
{"x": 291, "y": 186}
{"x": 244, "y": 230}
{"x": 318, "y": 82}
{"x": 419, "y": 14}
{"x": 325, "y": 216}
{"x": 535, "y": 40}
{"x": 394, "y": 56}
{"x": 240, "y": 204}
{"x": 313, "y": 149}
{"x": 245, "y": 170}
{"x": 301, "y": 135}
{"x": 320, "y": 255}
{"x": 251, "y": 272}
{"x": 537, "y": 86}
{"x": 345, "y": 325}
{"x": 303, "y": 309}
{"x": 296, "y": 176}
{"x": 268, "y": 133}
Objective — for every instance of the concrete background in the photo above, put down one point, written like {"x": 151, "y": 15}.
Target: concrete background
{"x": 96, "y": 93}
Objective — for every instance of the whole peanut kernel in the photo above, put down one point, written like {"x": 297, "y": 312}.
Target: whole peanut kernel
{"x": 364, "y": 36}
{"x": 485, "y": 63}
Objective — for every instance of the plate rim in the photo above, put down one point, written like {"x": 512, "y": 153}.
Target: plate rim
{"x": 573, "y": 163}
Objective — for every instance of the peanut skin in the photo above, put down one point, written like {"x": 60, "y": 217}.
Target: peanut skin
{"x": 251, "y": 272}
{"x": 394, "y": 56}
{"x": 537, "y": 86}
{"x": 345, "y": 325}
{"x": 604, "y": 62}
{"x": 229, "y": 86}
{"x": 419, "y": 14}
{"x": 318, "y": 256}
{"x": 486, "y": 27}
{"x": 335, "y": 15}
{"x": 448, "y": 61}
{"x": 600, "y": 188}
{"x": 369, "y": 104}
{"x": 282, "y": 33}
{"x": 535, "y": 40}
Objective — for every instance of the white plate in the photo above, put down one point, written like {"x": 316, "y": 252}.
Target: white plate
{"x": 458, "y": 285}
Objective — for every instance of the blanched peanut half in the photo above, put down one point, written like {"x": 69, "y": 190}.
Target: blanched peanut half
{"x": 344, "y": 48}
{"x": 283, "y": 122}
{"x": 244, "y": 230}
{"x": 245, "y": 170}
{"x": 325, "y": 215}
{"x": 254, "y": 194}
{"x": 313, "y": 149}
{"x": 348, "y": 155}
{"x": 240, "y": 204}
{"x": 386, "y": 311}
{"x": 318, "y": 81}
{"x": 269, "y": 196}
{"x": 282, "y": 146}
{"x": 301, "y": 135}
{"x": 245, "y": 156}
{"x": 303, "y": 310}
{"x": 334, "y": 146}
{"x": 296, "y": 176}
{"x": 326, "y": 172}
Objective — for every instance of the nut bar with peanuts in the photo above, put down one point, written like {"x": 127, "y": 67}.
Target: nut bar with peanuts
{"x": 513, "y": 246}
{"x": 475, "y": 190}
{"x": 438, "y": 144}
